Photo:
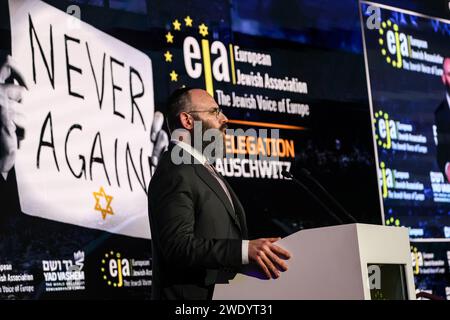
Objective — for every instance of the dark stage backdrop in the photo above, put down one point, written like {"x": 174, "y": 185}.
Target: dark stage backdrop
{"x": 295, "y": 66}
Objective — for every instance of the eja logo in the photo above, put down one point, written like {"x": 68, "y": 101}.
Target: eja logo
{"x": 115, "y": 268}
{"x": 394, "y": 44}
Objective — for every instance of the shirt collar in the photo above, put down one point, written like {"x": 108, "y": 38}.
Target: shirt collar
{"x": 448, "y": 100}
{"x": 192, "y": 151}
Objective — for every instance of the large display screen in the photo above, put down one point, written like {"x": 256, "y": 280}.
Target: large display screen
{"x": 408, "y": 74}
{"x": 74, "y": 220}
{"x": 408, "y": 64}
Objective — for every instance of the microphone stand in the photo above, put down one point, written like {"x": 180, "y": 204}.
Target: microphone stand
{"x": 289, "y": 175}
{"x": 308, "y": 175}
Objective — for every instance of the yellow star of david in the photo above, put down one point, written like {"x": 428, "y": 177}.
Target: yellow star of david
{"x": 203, "y": 30}
{"x": 188, "y": 21}
{"x": 98, "y": 207}
{"x": 168, "y": 56}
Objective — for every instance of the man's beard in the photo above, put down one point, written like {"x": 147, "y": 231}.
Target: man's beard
{"x": 218, "y": 144}
{"x": 212, "y": 143}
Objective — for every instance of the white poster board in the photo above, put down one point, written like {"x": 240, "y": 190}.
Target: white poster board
{"x": 89, "y": 110}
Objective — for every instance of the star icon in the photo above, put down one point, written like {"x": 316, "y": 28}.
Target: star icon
{"x": 173, "y": 76}
{"x": 99, "y": 195}
{"x": 203, "y": 30}
{"x": 176, "y": 25}
{"x": 188, "y": 21}
{"x": 169, "y": 37}
{"x": 168, "y": 56}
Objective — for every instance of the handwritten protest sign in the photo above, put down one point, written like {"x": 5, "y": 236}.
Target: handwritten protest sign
{"x": 89, "y": 110}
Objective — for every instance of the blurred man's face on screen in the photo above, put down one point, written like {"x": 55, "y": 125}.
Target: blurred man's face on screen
{"x": 446, "y": 75}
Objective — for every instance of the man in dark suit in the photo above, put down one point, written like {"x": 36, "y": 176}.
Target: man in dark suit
{"x": 197, "y": 222}
{"x": 442, "y": 121}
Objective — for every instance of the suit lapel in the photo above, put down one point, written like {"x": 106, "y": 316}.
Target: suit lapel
{"x": 239, "y": 209}
{"x": 212, "y": 183}
{"x": 237, "y": 215}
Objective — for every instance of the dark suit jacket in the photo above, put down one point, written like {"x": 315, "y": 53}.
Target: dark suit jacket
{"x": 196, "y": 234}
{"x": 442, "y": 117}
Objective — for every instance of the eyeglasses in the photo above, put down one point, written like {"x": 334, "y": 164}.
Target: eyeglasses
{"x": 215, "y": 111}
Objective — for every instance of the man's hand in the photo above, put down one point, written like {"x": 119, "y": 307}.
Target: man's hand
{"x": 11, "y": 114}
{"x": 159, "y": 138}
{"x": 266, "y": 255}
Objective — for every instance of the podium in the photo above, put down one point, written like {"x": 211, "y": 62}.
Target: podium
{"x": 353, "y": 261}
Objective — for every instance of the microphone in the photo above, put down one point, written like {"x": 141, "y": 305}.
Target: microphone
{"x": 310, "y": 177}
{"x": 289, "y": 175}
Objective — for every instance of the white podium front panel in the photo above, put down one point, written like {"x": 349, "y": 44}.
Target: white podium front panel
{"x": 328, "y": 263}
